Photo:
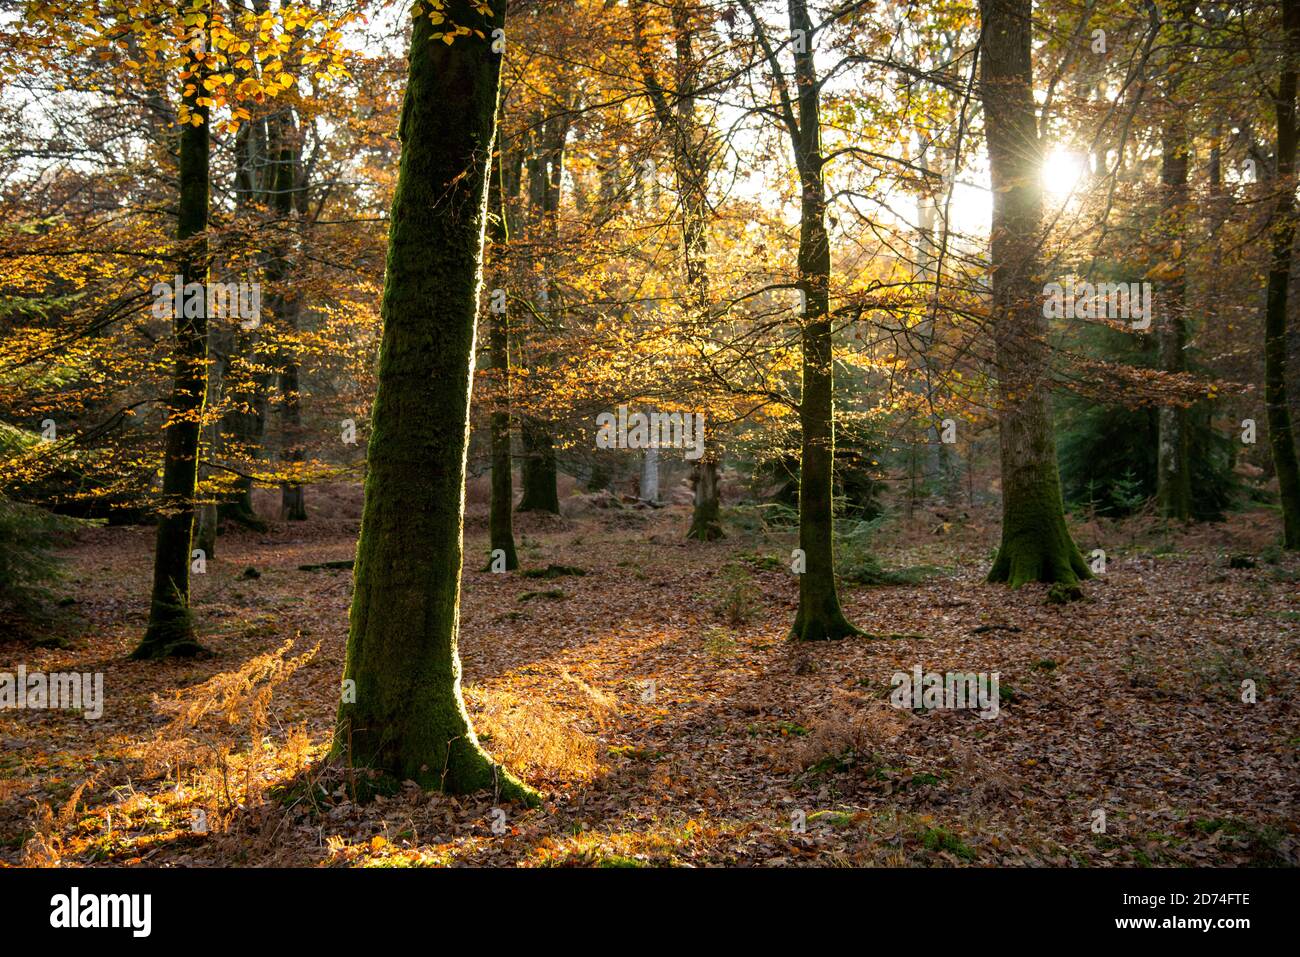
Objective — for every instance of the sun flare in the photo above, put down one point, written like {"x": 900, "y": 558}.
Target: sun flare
{"x": 1062, "y": 172}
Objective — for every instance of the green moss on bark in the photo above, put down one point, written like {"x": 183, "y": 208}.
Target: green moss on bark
{"x": 1036, "y": 544}
{"x": 408, "y": 719}
{"x": 706, "y": 516}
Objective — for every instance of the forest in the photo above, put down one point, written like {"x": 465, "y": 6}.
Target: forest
{"x": 781, "y": 434}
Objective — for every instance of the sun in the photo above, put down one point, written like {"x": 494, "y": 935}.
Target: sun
{"x": 1062, "y": 172}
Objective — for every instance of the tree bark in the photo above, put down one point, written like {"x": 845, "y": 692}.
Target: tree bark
{"x": 819, "y": 616}
{"x": 408, "y": 719}
{"x": 288, "y": 191}
{"x": 1036, "y": 544}
{"x": 650, "y": 475}
{"x": 1173, "y": 467}
{"x": 706, "y": 519}
{"x": 1173, "y": 463}
{"x": 690, "y": 168}
{"x": 501, "y": 533}
{"x": 545, "y": 176}
{"x": 244, "y": 426}
{"x": 205, "y": 532}
{"x": 538, "y": 473}
{"x": 170, "y": 632}
{"x": 1281, "y": 437}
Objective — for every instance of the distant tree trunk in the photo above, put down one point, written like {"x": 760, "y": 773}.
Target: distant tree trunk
{"x": 545, "y": 176}
{"x": 945, "y": 464}
{"x": 1036, "y": 544}
{"x": 538, "y": 473}
{"x": 690, "y": 165}
{"x": 205, "y": 534}
{"x": 650, "y": 475}
{"x": 1173, "y": 469}
{"x": 706, "y": 519}
{"x": 691, "y": 160}
{"x": 820, "y": 616}
{"x": 171, "y": 628}
{"x": 288, "y": 190}
{"x": 244, "y": 425}
{"x": 501, "y": 533}
{"x": 1283, "y": 226}
{"x": 293, "y": 497}
{"x": 407, "y": 719}
{"x": 1173, "y": 465}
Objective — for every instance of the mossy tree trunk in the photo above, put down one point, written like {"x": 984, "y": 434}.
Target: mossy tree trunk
{"x": 170, "y": 632}
{"x": 819, "y": 616}
{"x": 408, "y": 719}
{"x": 501, "y": 533}
{"x": 1036, "y": 544}
{"x": 1281, "y": 437}
{"x": 706, "y": 519}
{"x": 538, "y": 473}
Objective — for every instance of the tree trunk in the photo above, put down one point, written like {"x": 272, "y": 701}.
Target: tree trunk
{"x": 171, "y": 628}
{"x": 1173, "y": 469}
{"x": 820, "y": 616}
{"x": 407, "y": 719}
{"x": 690, "y": 167}
{"x": 1280, "y": 435}
{"x": 706, "y": 520}
{"x": 690, "y": 158}
{"x": 1036, "y": 544}
{"x": 1173, "y": 464}
{"x": 501, "y": 533}
{"x": 650, "y": 475}
{"x": 538, "y": 473}
{"x": 293, "y": 497}
{"x": 288, "y": 190}
{"x": 245, "y": 424}
{"x": 545, "y": 176}
{"x": 205, "y": 533}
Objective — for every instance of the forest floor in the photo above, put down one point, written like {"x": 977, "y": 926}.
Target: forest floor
{"x": 656, "y": 704}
